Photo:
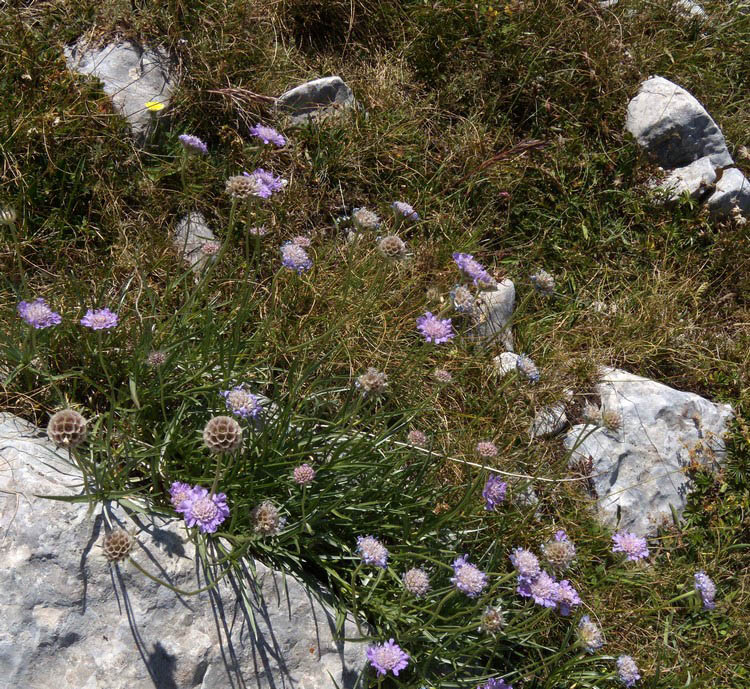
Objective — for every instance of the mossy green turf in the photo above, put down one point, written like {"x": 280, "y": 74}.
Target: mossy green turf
{"x": 446, "y": 86}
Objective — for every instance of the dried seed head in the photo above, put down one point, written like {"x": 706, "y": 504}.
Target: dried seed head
{"x": 67, "y": 428}
{"x": 267, "y": 521}
{"x": 611, "y": 419}
{"x": 242, "y": 186}
{"x": 592, "y": 414}
{"x": 372, "y": 382}
{"x": 156, "y": 358}
{"x": 222, "y": 434}
{"x": 392, "y": 246}
{"x": 492, "y": 620}
{"x": 117, "y": 545}
{"x": 7, "y": 216}
{"x": 365, "y": 219}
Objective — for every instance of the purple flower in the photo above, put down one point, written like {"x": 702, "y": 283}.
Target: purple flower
{"x": 567, "y": 598}
{"x": 495, "y": 684}
{"x": 493, "y": 493}
{"x": 434, "y": 329}
{"x": 387, "y": 657}
{"x": 38, "y": 314}
{"x": 527, "y": 367}
{"x": 241, "y": 402}
{"x": 706, "y": 588}
{"x": 404, "y": 210}
{"x": 294, "y": 257}
{"x": 543, "y": 589}
{"x": 473, "y": 269}
{"x": 99, "y": 319}
{"x": 268, "y": 135}
{"x": 372, "y": 551}
{"x": 267, "y": 183}
{"x": 486, "y": 449}
{"x": 205, "y": 511}
{"x": 467, "y": 577}
{"x": 303, "y": 475}
{"x": 633, "y": 546}
{"x": 627, "y": 670}
{"x": 192, "y": 144}
{"x": 525, "y": 563}
{"x": 179, "y": 495}
{"x": 416, "y": 581}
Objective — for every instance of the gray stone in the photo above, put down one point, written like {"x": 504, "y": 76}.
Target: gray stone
{"x": 493, "y": 313}
{"x": 694, "y": 179}
{"x": 733, "y": 189}
{"x": 316, "y": 100}
{"x": 549, "y": 421}
{"x": 72, "y": 620}
{"x": 131, "y": 76}
{"x": 673, "y": 126}
{"x": 639, "y": 467}
{"x": 190, "y": 236}
{"x": 505, "y": 363}
{"x": 690, "y": 10}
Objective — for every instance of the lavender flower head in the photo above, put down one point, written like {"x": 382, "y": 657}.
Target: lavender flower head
{"x": 435, "y": 329}
{"x": 241, "y": 402}
{"x": 495, "y": 684}
{"x": 416, "y": 581}
{"x": 590, "y": 635}
{"x": 404, "y": 210}
{"x": 486, "y": 449}
{"x": 205, "y": 511}
{"x": 526, "y": 367}
{"x": 372, "y": 551}
{"x": 38, "y": 314}
{"x": 468, "y": 578}
{"x": 303, "y": 475}
{"x": 179, "y": 495}
{"x": 387, "y": 657}
{"x": 525, "y": 563}
{"x": 462, "y": 299}
{"x": 627, "y": 671}
{"x": 294, "y": 257}
{"x": 302, "y": 240}
{"x": 267, "y": 184}
{"x": 99, "y": 319}
{"x": 268, "y": 135}
{"x": 192, "y": 144}
{"x": 473, "y": 269}
{"x": 634, "y": 547}
{"x": 365, "y": 219}
{"x": 706, "y": 588}
{"x": 543, "y": 589}
{"x": 567, "y": 598}
{"x": 494, "y": 492}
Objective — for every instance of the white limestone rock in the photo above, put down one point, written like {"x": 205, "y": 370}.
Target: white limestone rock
{"x": 72, "y": 620}
{"x": 131, "y": 76}
{"x": 639, "y": 467}
{"x": 191, "y": 235}
{"x": 549, "y": 421}
{"x": 673, "y": 126}
{"x": 505, "y": 363}
{"x": 493, "y": 313}
{"x": 733, "y": 189}
{"x": 694, "y": 179}
{"x": 316, "y": 100}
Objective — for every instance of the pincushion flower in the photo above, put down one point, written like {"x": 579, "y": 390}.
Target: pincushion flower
{"x": 372, "y": 551}
{"x": 525, "y": 563}
{"x": 416, "y": 581}
{"x": 634, "y": 547}
{"x": 494, "y": 492}
{"x": 303, "y": 475}
{"x": 294, "y": 257}
{"x": 706, "y": 588}
{"x": 179, "y": 495}
{"x": 38, "y": 314}
{"x": 627, "y": 671}
{"x": 590, "y": 635}
{"x": 567, "y": 597}
{"x": 99, "y": 319}
{"x": 467, "y": 577}
{"x": 495, "y": 684}
{"x": 387, "y": 657}
{"x": 405, "y": 211}
{"x": 434, "y": 329}
{"x": 192, "y": 144}
{"x": 204, "y": 510}
{"x": 560, "y": 551}
{"x": 268, "y": 135}
{"x": 241, "y": 402}
{"x": 268, "y": 183}
{"x": 473, "y": 269}
{"x": 543, "y": 589}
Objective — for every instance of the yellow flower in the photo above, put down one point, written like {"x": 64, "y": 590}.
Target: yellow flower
{"x": 155, "y": 105}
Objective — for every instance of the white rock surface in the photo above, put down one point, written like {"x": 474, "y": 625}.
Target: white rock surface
{"x": 191, "y": 233}
{"x": 732, "y": 189}
{"x": 673, "y": 126}
{"x": 316, "y": 100}
{"x": 505, "y": 363}
{"x": 494, "y": 311}
{"x": 69, "y": 619}
{"x": 131, "y": 76}
{"x": 639, "y": 469}
{"x": 690, "y": 10}
{"x": 549, "y": 421}
{"x": 694, "y": 179}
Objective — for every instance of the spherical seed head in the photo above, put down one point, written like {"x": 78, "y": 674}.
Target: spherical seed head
{"x": 365, "y": 219}
{"x": 156, "y": 358}
{"x": 417, "y": 438}
{"x": 559, "y": 552}
{"x": 267, "y": 520}
{"x": 467, "y": 577}
{"x": 67, "y": 428}
{"x": 543, "y": 282}
{"x": 117, "y": 545}
{"x": 416, "y": 581}
{"x": 611, "y": 419}
{"x": 7, "y": 216}
{"x": 304, "y": 474}
{"x": 372, "y": 551}
{"x": 222, "y": 434}
{"x": 462, "y": 299}
{"x": 492, "y": 619}
{"x": 243, "y": 187}
{"x": 372, "y": 382}
{"x": 634, "y": 546}
{"x": 392, "y": 247}
{"x": 387, "y": 657}
{"x": 592, "y": 414}
{"x": 590, "y": 635}
{"x": 442, "y": 376}
{"x": 627, "y": 671}
{"x": 486, "y": 449}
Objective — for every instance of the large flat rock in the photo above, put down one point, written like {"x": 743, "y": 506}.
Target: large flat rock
{"x": 640, "y": 467}
{"x": 70, "y": 619}
{"x": 316, "y": 100}
{"x": 493, "y": 313}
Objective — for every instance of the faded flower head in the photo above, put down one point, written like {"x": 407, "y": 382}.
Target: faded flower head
{"x": 592, "y": 414}
{"x": 205, "y": 510}
{"x": 417, "y": 438}
{"x": 435, "y": 329}
{"x": 627, "y": 671}
{"x": 543, "y": 589}
{"x": 462, "y": 299}
{"x": 67, "y": 428}
{"x": 527, "y": 368}
{"x": 442, "y": 376}
{"x": 243, "y": 186}
{"x": 294, "y": 257}
{"x": 192, "y": 144}
{"x": 404, "y": 211}
{"x": 99, "y": 319}
{"x": 365, "y": 219}
{"x": 260, "y": 231}
{"x": 416, "y": 581}
{"x": 222, "y": 434}
{"x": 117, "y": 545}
{"x": 543, "y": 282}
{"x": 567, "y": 598}
{"x": 611, "y": 419}
{"x": 590, "y": 635}
{"x": 303, "y": 475}
{"x": 634, "y": 547}
{"x": 494, "y": 492}
{"x": 560, "y": 551}
{"x": 210, "y": 248}
{"x": 486, "y": 449}
{"x": 268, "y": 135}
{"x": 387, "y": 657}
{"x": 706, "y": 588}
{"x": 302, "y": 240}
{"x": 372, "y": 382}
{"x": 467, "y": 577}
{"x": 392, "y": 247}
{"x": 38, "y": 314}
{"x": 179, "y": 494}
{"x": 372, "y": 551}
{"x": 156, "y": 358}
{"x": 492, "y": 619}
{"x": 241, "y": 402}
{"x": 473, "y": 269}
{"x": 495, "y": 684}
{"x": 267, "y": 520}
{"x": 525, "y": 563}
{"x": 7, "y": 216}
